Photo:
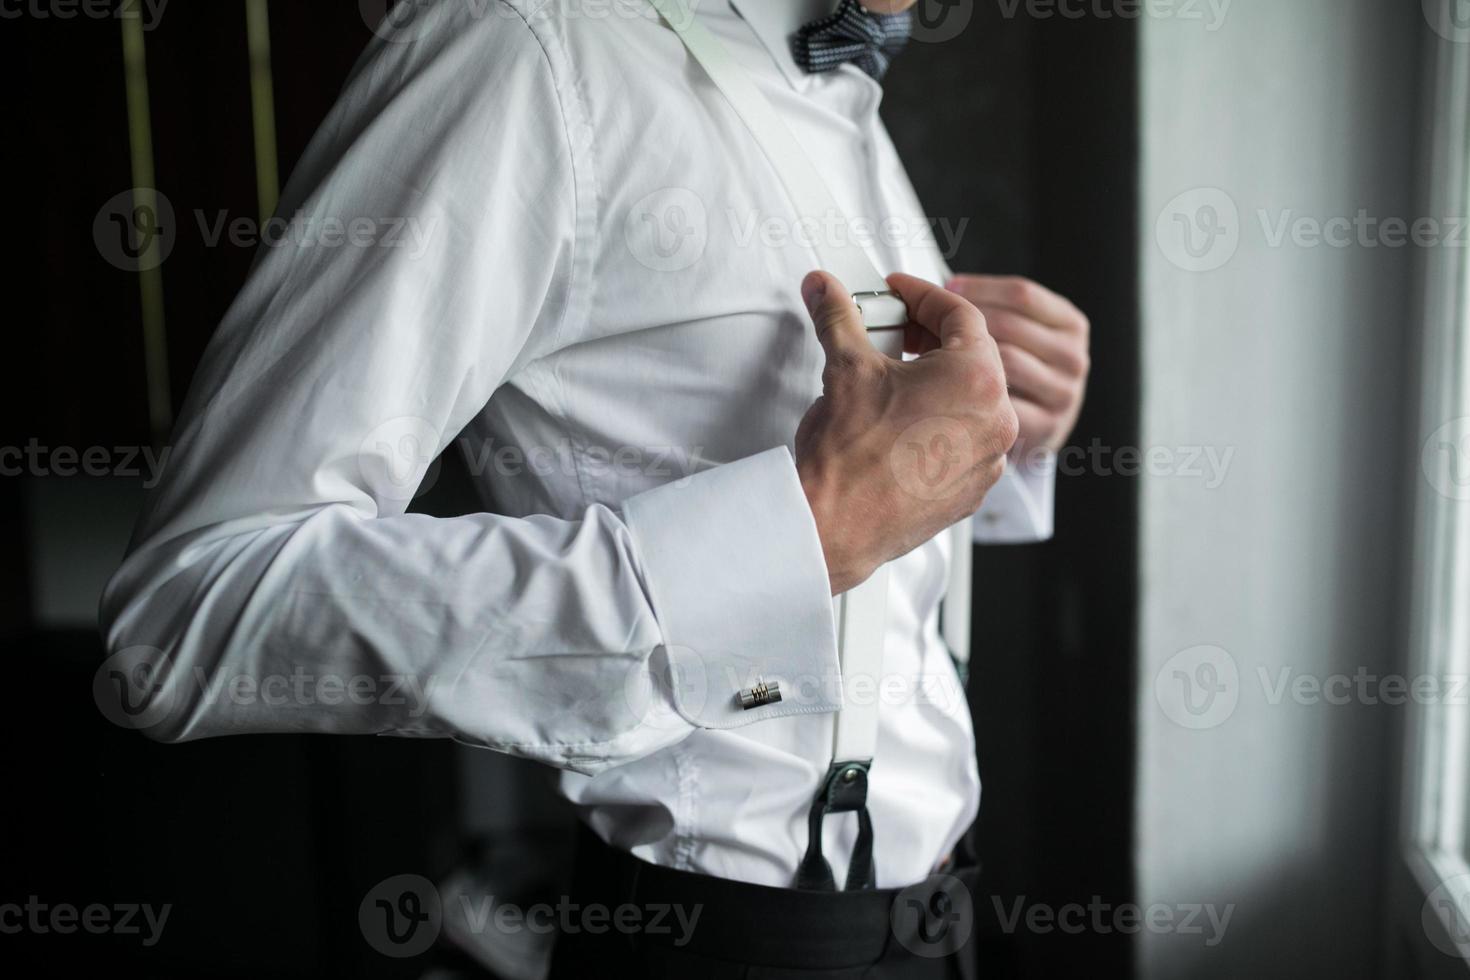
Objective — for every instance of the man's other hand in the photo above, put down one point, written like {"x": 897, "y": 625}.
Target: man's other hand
{"x": 1043, "y": 342}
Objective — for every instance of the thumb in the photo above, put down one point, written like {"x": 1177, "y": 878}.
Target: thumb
{"x": 837, "y": 319}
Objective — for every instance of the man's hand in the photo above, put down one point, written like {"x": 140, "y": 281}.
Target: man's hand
{"x": 894, "y": 452}
{"x": 1043, "y": 342}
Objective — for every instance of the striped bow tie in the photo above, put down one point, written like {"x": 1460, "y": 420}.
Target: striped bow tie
{"x": 851, "y": 34}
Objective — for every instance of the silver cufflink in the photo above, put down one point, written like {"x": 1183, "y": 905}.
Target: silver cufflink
{"x": 761, "y": 694}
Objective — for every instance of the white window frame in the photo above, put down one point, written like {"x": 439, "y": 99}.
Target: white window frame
{"x": 1430, "y": 886}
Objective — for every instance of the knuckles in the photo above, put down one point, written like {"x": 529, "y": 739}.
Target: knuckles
{"x": 984, "y": 380}
{"x": 1021, "y": 293}
{"x": 1007, "y": 427}
{"x": 1078, "y": 363}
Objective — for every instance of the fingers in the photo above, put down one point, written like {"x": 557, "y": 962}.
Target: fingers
{"x": 1062, "y": 351}
{"x": 918, "y": 340}
{"x": 836, "y": 317}
{"x": 1031, "y": 379}
{"x": 946, "y": 314}
{"x": 1038, "y": 427}
{"x": 1028, "y": 298}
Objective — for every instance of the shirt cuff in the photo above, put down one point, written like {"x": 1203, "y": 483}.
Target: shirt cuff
{"x": 1019, "y": 508}
{"x": 735, "y": 573}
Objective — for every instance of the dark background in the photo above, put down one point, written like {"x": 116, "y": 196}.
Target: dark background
{"x": 265, "y": 846}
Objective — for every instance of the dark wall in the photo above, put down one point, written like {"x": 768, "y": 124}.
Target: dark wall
{"x": 1027, "y": 127}
{"x": 262, "y": 846}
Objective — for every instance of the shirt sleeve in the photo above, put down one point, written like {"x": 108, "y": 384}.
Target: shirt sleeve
{"x": 1019, "y": 508}
{"x": 275, "y": 582}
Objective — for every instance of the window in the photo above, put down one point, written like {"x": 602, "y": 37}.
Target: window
{"x": 1432, "y": 881}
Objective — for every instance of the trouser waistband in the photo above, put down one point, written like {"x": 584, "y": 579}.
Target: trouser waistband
{"x": 784, "y": 927}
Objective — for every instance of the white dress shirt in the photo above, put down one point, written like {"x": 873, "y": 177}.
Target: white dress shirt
{"x": 593, "y": 289}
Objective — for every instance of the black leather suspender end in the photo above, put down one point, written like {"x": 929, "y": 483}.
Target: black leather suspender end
{"x": 844, "y": 790}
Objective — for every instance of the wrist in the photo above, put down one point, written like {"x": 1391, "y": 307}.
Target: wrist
{"x": 848, "y": 562}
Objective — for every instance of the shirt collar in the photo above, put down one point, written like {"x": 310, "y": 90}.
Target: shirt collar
{"x": 775, "y": 21}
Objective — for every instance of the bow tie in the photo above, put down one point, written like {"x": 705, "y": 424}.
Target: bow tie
{"x": 851, "y": 34}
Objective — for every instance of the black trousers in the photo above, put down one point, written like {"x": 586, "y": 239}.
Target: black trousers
{"x": 655, "y": 922}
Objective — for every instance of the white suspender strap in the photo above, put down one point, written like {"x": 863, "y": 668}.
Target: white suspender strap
{"x": 861, "y": 614}
{"x": 843, "y": 257}
{"x": 956, "y": 611}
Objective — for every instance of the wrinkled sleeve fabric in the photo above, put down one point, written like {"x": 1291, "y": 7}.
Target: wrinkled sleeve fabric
{"x": 275, "y": 576}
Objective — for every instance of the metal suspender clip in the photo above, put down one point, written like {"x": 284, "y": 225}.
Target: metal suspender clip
{"x": 881, "y": 310}
{"x": 884, "y": 315}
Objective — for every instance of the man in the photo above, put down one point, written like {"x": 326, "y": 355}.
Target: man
{"x": 687, "y": 446}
